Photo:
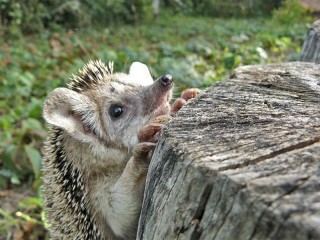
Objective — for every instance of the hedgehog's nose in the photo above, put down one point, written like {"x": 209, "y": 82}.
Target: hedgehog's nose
{"x": 166, "y": 80}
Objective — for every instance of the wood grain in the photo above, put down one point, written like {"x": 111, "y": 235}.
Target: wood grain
{"x": 241, "y": 161}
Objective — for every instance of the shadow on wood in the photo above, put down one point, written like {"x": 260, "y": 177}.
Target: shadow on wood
{"x": 242, "y": 161}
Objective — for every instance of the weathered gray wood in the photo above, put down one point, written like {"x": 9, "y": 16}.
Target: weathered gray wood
{"x": 242, "y": 161}
{"x": 311, "y": 46}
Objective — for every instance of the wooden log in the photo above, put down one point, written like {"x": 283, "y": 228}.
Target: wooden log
{"x": 241, "y": 161}
{"x": 311, "y": 46}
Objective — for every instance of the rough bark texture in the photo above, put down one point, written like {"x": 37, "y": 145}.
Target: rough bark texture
{"x": 242, "y": 161}
{"x": 311, "y": 46}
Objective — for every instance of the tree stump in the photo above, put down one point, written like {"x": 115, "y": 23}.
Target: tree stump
{"x": 311, "y": 46}
{"x": 241, "y": 161}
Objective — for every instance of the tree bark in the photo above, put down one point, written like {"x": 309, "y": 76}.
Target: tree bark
{"x": 155, "y": 6}
{"x": 311, "y": 46}
{"x": 241, "y": 161}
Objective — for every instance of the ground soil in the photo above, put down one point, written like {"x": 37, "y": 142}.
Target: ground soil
{"x": 18, "y": 228}
{"x": 313, "y": 5}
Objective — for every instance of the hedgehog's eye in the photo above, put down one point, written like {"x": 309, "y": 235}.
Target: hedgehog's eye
{"x": 115, "y": 111}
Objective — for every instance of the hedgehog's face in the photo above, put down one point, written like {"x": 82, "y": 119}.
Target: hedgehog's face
{"x": 124, "y": 106}
{"x": 113, "y": 111}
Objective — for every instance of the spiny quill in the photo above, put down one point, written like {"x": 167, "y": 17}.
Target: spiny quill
{"x": 92, "y": 74}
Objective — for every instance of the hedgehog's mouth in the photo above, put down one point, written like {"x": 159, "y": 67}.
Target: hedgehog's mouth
{"x": 164, "y": 108}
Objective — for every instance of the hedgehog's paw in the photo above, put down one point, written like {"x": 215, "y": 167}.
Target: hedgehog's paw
{"x": 151, "y": 132}
{"x": 148, "y": 136}
{"x": 185, "y": 96}
{"x": 162, "y": 119}
{"x": 142, "y": 153}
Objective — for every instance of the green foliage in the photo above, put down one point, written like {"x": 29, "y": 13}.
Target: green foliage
{"x": 28, "y": 218}
{"x": 225, "y": 8}
{"x": 113, "y": 11}
{"x": 20, "y": 15}
{"x": 37, "y": 15}
{"x": 290, "y": 12}
{"x": 32, "y": 16}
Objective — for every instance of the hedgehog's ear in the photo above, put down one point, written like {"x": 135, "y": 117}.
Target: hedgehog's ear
{"x": 140, "y": 72}
{"x": 63, "y": 108}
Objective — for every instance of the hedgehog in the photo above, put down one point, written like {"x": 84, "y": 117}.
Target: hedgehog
{"x": 104, "y": 127}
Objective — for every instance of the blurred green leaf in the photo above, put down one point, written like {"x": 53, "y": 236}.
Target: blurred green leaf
{"x": 15, "y": 179}
{"x": 6, "y": 173}
{"x": 10, "y": 152}
{"x": 34, "y": 158}
{"x": 8, "y": 217}
{"x": 31, "y": 123}
{"x": 31, "y": 203}
{"x": 229, "y": 60}
{"x": 6, "y": 122}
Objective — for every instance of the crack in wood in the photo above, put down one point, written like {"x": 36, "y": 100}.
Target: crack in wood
{"x": 197, "y": 217}
{"x": 267, "y": 206}
{"x": 258, "y": 222}
{"x": 224, "y": 218}
{"x": 294, "y": 188}
{"x": 203, "y": 202}
{"x": 272, "y": 155}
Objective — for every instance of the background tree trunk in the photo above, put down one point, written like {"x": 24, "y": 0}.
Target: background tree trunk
{"x": 311, "y": 47}
{"x": 242, "y": 161}
{"x": 156, "y": 8}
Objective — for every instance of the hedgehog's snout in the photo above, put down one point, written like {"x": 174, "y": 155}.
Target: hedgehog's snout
{"x": 166, "y": 80}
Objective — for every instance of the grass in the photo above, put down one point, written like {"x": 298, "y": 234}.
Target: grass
{"x": 196, "y": 51}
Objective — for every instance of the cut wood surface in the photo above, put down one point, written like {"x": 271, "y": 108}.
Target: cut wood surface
{"x": 311, "y": 46}
{"x": 241, "y": 161}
